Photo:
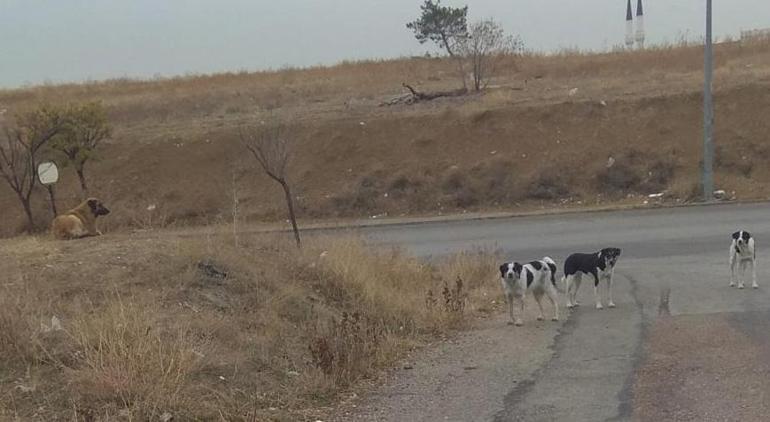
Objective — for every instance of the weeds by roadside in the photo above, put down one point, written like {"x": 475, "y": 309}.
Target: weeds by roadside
{"x": 197, "y": 329}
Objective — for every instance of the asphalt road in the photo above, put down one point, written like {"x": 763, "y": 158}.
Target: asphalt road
{"x": 673, "y": 268}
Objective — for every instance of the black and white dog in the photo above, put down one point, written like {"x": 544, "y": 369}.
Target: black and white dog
{"x": 601, "y": 265}
{"x": 536, "y": 276}
{"x": 742, "y": 252}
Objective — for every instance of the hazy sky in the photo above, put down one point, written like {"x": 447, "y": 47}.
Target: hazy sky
{"x": 76, "y": 40}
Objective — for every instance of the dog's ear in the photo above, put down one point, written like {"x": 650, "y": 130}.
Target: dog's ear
{"x": 93, "y": 204}
{"x": 503, "y": 270}
{"x": 746, "y": 236}
{"x": 736, "y": 235}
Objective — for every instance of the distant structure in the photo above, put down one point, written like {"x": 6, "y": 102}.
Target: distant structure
{"x": 639, "y": 25}
{"x": 629, "y": 26}
{"x": 755, "y": 34}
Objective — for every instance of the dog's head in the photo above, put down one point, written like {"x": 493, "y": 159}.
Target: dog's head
{"x": 741, "y": 237}
{"x": 96, "y": 207}
{"x": 610, "y": 256}
{"x": 510, "y": 270}
{"x": 551, "y": 263}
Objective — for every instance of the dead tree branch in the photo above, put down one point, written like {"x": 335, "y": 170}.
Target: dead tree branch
{"x": 416, "y": 96}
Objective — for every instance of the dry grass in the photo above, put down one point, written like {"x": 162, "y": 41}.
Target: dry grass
{"x": 199, "y": 329}
{"x": 525, "y": 143}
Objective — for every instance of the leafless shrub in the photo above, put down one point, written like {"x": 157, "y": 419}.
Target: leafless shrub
{"x": 484, "y": 48}
{"x": 269, "y": 144}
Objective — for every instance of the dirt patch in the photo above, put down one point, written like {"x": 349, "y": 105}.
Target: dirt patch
{"x": 701, "y": 368}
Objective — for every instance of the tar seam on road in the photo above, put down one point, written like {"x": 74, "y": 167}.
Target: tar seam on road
{"x": 513, "y": 399}
{"x": 626, "y": 395}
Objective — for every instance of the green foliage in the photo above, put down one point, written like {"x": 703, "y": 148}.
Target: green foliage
{"x": 443, "y": 25}
{"x": 35, "y": 128}
{"x": 86, "y": 125}
{"x": 25, "y": 135}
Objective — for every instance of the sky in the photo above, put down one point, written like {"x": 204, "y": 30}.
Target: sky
{"x": 53, "y": 41}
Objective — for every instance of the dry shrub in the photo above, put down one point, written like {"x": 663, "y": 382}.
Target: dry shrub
{"x": 350, "y": 348}
{"x": 203, "y": 330}
{"x": 618, "y": 179}
{"x": 391, "y": 300}
{"x": 659, "y": 175}
{"x": 362, "y": 198}
{"x": 549, "y": 185}
{"x": 731, "y": 160}
{"x": 495, "y": 180}
{"x": 18, "y": 343}
{"x": 477, "y": 269}
{"x": 126, "y": 359}
{"x": 487, "y": 182}
{"x": 388, "y": 285}
{"x": 637, "y": 172}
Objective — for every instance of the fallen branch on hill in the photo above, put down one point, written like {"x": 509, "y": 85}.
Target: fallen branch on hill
{"x": 415, "y": 96}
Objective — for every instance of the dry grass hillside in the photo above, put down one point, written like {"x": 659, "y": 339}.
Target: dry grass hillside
{"x": 541, "y": 136}
{"x": 147, "y": 327}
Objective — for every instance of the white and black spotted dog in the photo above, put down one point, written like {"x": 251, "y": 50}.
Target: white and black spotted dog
{"x": 743, "y": 254}
{"x": 537, "y": 277}
{"x": 601, "y": 265}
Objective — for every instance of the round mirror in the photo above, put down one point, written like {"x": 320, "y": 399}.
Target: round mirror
{"x": 48, "y": 173}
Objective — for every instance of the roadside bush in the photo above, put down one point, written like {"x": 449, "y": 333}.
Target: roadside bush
{"x": 549, "y": 186}
{"x": 636, "y": 172}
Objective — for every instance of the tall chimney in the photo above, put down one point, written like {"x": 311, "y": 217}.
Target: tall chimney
{"x": 639, "y": 25}
{"x": 629, "y": 26}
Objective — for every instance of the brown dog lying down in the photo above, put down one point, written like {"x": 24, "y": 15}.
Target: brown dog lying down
{"x": 79, "y": 221}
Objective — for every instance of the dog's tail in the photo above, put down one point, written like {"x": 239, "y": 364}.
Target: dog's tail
{"x": 552, "y": 268}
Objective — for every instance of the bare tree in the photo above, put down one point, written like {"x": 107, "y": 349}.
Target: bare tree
{"x": 269, "y": 145}
{"x": 483, "y": 49}
{"x": 19, "y": 151}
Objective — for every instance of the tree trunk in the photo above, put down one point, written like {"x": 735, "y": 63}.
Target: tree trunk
{"x": 28, "y": 212}
{"x": 290, "y": 205}
{"x": 53, "y": 200}
{"x": 461, "y": 71}
{"x": 82, "y": 179}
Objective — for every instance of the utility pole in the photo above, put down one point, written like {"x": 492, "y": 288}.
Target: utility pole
{"x": 708, "y": 114}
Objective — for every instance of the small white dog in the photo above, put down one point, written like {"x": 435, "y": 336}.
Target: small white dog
{"x": 742, "y": 252}
{"x": 537, "y": 276}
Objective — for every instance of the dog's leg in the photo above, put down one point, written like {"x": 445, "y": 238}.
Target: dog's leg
{"x": 578, "y": 280}
{"x": 741, "y": 273}
{"x": 518, "y": 319}
{"x": 568, "y": 282}
{"x": 539, "y": 299}
{"x": 754, "y": 274}
{"x": 509, "y": 299}
{"x": 611, "y": 304}
{"x": 597, "y": 296}
{"x": 553, "y": 296}
{"x": 732, "y": 266}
